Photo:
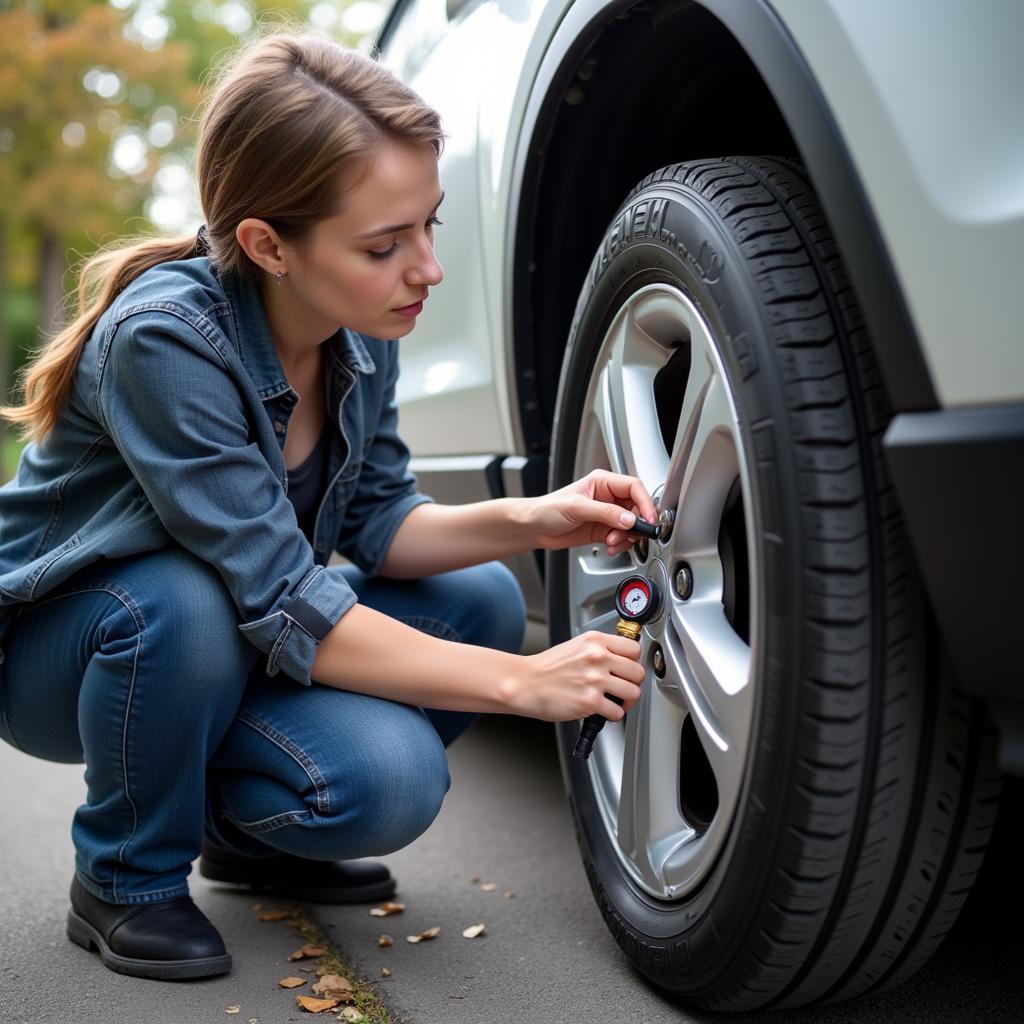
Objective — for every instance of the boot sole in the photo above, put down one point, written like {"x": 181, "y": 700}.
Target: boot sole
{"x": 85, "y": 935}
{"x": 314, "y": 894}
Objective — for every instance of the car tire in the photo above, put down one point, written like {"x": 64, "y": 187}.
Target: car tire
{"x": 803, "y": 795}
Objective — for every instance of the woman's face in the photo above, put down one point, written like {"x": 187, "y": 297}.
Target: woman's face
{"x": 370, "y": 267}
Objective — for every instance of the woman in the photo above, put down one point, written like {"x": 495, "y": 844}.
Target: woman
{"x": 216, "y": 423}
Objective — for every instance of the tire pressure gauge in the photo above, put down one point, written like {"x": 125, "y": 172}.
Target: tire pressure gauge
{"x": 636, "y": 600}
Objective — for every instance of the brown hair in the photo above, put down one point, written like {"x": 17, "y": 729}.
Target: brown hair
{"x": 287, "y": 114}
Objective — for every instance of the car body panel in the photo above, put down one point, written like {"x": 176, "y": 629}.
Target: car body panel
{"x": 937, "y": 138}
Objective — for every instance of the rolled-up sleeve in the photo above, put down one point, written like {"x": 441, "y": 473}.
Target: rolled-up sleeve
{"x": 385, "y": 492}
{"x": 167, "y": 397}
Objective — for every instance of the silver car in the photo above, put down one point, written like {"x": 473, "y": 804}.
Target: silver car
{"x": 766, "y": 255}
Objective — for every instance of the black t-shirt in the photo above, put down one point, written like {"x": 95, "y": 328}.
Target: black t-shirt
{"x": 306, "y": 484}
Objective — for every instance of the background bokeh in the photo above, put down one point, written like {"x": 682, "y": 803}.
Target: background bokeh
{"x": 99, "y": 106}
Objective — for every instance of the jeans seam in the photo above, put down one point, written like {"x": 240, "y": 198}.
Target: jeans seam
{"x": 109, "y": 587}
{"x": 275, "y": 651}
{"x": 437, "y": 627}
{"x": 271, "y": 824}
{"x": 309, "y": 582}
{"x": 124, "y": 764}
{"x": 126, "y": 599}
{"x": 323, "y": 796}
{"x": 133, "y": 898}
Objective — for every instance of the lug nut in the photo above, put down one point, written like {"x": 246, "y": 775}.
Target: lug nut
{"x": 666, "y": 517}
{"x": 684, "y": 582}
{"x": 659, "y": 662}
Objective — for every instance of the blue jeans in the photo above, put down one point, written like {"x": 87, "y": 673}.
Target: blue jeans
{"x": 136, "y": 667}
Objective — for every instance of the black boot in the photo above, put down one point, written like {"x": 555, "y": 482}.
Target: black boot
{"x": 318, "y": 881}
{"x": 168, "y": 939}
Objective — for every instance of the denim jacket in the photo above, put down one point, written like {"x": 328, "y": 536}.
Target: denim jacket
{"x": 174, "y": 431}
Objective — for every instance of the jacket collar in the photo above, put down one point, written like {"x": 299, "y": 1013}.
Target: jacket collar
{"x": 256, "y": 344}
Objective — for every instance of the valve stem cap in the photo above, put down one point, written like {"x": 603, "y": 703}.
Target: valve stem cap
{"x": 644, "y": 528}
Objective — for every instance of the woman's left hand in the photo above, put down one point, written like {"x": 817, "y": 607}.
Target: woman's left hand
{"x": 589, "y": 511}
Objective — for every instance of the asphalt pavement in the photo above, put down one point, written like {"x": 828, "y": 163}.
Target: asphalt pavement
{"x": 545, "y": 956}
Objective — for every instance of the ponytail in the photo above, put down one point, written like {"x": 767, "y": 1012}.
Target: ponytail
{"x": 47, "y": 380}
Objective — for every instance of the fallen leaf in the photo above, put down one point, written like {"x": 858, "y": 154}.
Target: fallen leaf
{"x": 385, "y": 973}
{"x": 274, "y": 915}
{"x": 430, "y": 933}
{"x": 509, "y": 895}
{"x": 387, "y": 908}
{"x": 351, "y": 1013}
{"x": 488, "y": 887}
{"x": 233, "y": 1009}
{"x": 301, "y": 954}
{"x": 305, "y": 970}
{"x": 473, "y": 931}
{"x": 291, "y": 982}
{"x": 316, "y": 1005}
{"x": 331, "y": 985}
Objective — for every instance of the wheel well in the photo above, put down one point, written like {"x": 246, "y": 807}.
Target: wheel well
{"x": 650, "y": 85}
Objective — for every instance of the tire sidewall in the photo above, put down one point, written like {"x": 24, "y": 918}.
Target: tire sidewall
{"x": 677, "y": 239}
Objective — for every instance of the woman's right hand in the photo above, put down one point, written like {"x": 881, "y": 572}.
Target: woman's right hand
{"x": 570, "y": 680}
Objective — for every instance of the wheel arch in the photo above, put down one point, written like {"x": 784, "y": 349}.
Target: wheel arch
{"x": 725, "y": 78}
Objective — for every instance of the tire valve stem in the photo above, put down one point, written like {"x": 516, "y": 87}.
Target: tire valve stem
{"x": 636, "y": 600}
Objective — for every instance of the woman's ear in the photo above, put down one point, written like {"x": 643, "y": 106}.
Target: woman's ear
{"x": 260, "y": 242}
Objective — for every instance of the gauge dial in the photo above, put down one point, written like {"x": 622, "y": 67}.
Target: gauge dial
{"x": 636, "y": 598}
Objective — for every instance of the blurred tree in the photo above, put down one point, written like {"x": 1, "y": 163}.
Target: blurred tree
{"x": 65, "y": 100}
{"x": 95, "y": 98}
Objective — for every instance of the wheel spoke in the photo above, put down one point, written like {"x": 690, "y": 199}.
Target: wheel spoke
{"x": 709, "y": 473}
{"x": 650, "y": 827}
{"x": 592, "y": 583}
{"x": 601, "y": 623}
{"x": 702, "y": 373}
{"x": 711, "y": 665}
{"x": 596, "y": 579}
{"x": 624, "y": 405}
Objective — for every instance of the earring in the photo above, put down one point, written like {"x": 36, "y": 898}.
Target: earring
{"x": 280, "y": 276}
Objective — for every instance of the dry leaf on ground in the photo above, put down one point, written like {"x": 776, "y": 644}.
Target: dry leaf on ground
{"x": 333, "y": 985}
{"x": 274, "y": 915}
{"x": 291, "y": 982}
{"x": 430, "y": 933}
{"x": 385, "y": 973}
{"x": 233, "y": 1009}
{"x": 301, "y": 954}
{"x": 316, "y": 1005}
{"x": 488, "y": 887}
{"x": 351, "y": 1013}
{"x": 387, "y": 908}
{"x": 473, "y": 931}
{"x": 385, "y": 940}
